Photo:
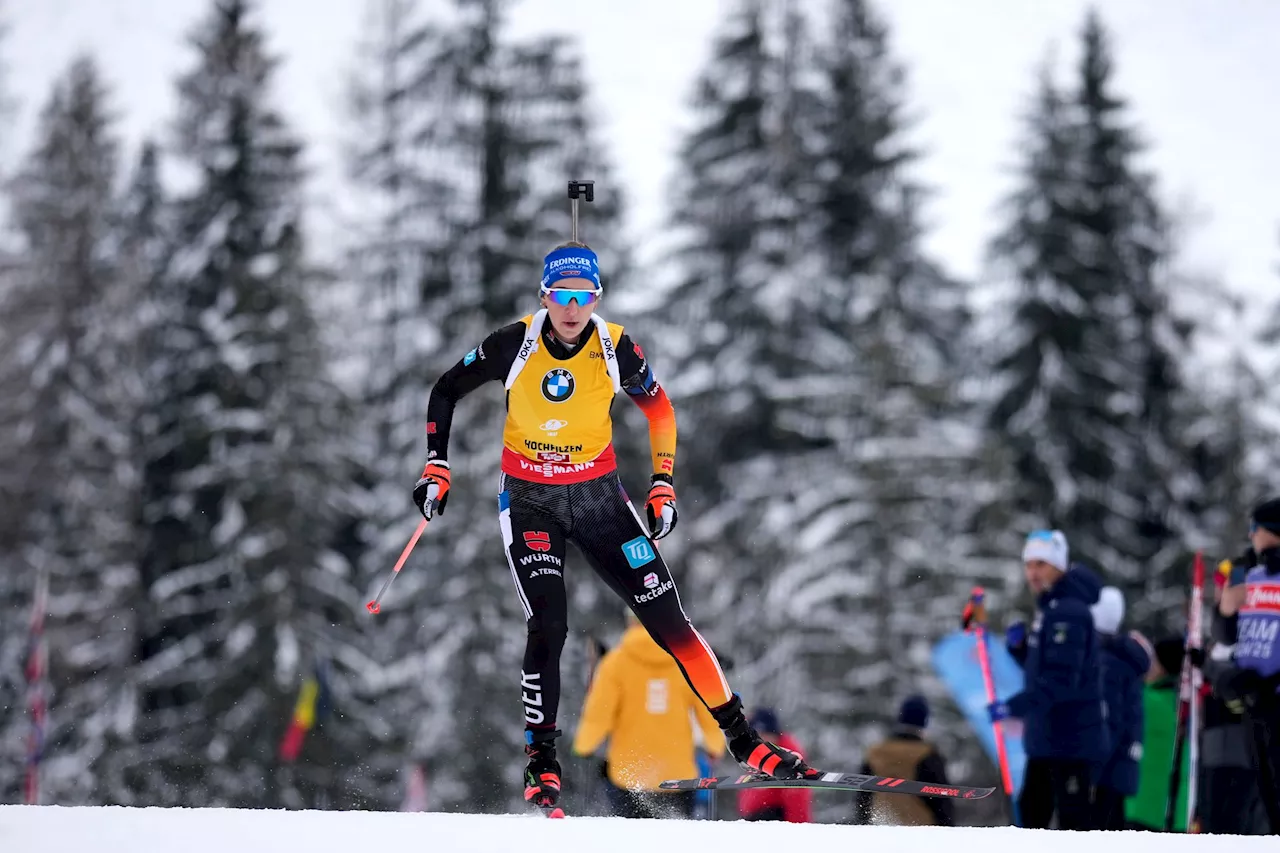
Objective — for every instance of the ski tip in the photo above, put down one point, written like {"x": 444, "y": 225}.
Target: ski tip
{"x": 556, "y": 813}
{"x": 373, "y": 607}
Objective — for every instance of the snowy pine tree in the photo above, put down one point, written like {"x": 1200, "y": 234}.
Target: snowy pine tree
{"x": 1089, "y": 380}
{"x": 828, "y": 446}
{"x": 75, "y": 451}
{"x": 740, "y": 353}
{"x": 240, "y": 490}
{"x": 15, "y": 580}
{"x": 897, "y": 498}
{"x": 142, "y": 231}
{"x": 386, "y": 339}
{"x": 1232, "y": 432}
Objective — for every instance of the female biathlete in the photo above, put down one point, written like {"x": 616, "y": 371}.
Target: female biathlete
{"x": 561, "y": 368}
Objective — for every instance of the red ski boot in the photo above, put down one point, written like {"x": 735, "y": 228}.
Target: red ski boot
{"x": 542, "y": 773}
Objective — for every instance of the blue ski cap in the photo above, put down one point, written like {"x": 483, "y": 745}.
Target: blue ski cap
{"x": 579, "y": 265}
{"x": 1047, "y": 545}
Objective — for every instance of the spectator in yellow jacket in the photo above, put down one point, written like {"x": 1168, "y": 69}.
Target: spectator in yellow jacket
{"x": 640, "y": 702}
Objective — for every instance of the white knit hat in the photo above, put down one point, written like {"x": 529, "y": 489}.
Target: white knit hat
{"x": 1108, "y": 613}
{"x": 1047, "y": 545}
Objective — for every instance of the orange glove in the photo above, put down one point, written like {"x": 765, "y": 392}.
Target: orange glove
{"x": 660, "y": 508}
{"x": 432, "y": 490}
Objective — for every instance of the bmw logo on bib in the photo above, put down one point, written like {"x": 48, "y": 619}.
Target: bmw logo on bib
{"x": 557, "y": 385}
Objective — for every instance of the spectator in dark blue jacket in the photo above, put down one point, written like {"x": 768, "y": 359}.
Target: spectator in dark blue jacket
{"x": 1064, "y": 727}
{"x": 1124, "y": 669}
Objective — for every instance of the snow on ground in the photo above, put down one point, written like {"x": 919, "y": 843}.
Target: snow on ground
{"x": 52, "y": 829}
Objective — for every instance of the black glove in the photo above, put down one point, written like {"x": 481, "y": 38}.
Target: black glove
{"x": 1239, "y": 690}
{"x": 1223, "y": 629}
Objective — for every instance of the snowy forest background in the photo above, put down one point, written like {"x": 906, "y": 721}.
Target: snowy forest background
{"x": 209, "y": 436}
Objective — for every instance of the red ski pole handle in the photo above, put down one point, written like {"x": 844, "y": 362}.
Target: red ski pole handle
{"x": 375, "y": 605}
{"x": 975, "y": 610}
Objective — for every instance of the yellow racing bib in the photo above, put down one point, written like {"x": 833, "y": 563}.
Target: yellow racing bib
{"x": 558, "y": 426}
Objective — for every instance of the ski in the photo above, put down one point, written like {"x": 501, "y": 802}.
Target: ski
{"x": 1186, "y": 732}
{"x": 553, "y": 812}
{"x": 833, "y": 781}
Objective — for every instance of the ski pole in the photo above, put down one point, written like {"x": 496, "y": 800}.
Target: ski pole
{"x": 976, "y": 613}
{"x": 586, "y": 189}
{"x": 375, "y": 606}
{"x": 1186, "y": 735}
{"x": 1196, "y": 629}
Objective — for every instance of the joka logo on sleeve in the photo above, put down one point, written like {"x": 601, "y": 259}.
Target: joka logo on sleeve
{"x": 537, "y": 540}
{"x": 638, "y": 552}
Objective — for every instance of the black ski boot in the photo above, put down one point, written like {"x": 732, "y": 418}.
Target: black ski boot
{"x": 753, "y": 752}
{"x": 542, "y": 773}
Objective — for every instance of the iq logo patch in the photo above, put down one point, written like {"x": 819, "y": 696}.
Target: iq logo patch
{"x": 557, "y": 385}
{"x": 638, "y": 552}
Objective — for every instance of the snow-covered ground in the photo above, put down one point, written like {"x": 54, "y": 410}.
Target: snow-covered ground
{"x": 50, "y": 829}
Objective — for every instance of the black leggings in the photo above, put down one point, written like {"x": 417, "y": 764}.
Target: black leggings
{"x": 1057, "y": 786}
{"x": 1108, "y": 808}
{"x": 1264, "y": 725}
{"x": 537, "y": 519}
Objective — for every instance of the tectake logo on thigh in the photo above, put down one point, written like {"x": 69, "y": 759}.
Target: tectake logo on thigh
{"x": 655, "y": 589}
